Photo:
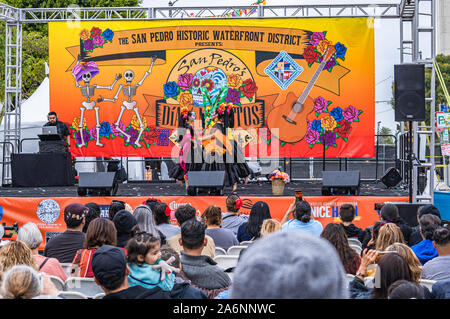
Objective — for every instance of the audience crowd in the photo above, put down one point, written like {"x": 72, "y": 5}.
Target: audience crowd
{"x": 141, "y": 254}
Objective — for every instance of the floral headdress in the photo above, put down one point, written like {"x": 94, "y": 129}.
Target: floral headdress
{"x": 184, "y": 112}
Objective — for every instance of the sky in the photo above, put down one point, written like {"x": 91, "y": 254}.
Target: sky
{"x": 387, "y": 44}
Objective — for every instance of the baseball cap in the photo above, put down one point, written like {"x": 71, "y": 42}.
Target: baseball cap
{"x": 109, "y": 264}
{"x": 75, "y": 211}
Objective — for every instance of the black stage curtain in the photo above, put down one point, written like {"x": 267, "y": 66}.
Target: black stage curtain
{"x": 42, "y": 169}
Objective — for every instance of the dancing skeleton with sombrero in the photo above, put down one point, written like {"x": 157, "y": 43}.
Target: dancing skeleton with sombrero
{"x": 86, "y": 71}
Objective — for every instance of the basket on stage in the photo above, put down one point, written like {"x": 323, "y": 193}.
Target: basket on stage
{"x": 279, "y": 180}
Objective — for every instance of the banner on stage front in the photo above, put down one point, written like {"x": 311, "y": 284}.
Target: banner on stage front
{"x": 304, "y": 84}
{"x": 48, "y": 213}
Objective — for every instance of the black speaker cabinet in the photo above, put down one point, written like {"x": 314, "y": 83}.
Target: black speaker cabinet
{"x": 409, "y": 84}
{"x": 408, "y": 212}
{"x": 391, "y": 177}
{"x": 97, "y": 184}
{"x": 210, "y": 182}
{"x": 340, "y": 183}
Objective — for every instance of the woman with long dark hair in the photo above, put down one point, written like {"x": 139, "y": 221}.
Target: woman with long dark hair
{"x": 188, "y": 143}
{"x": 337, "y": 236}
{"x": 251, "y": 230}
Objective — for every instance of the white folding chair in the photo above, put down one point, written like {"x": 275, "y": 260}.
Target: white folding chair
{"x": 356, "y": 248}
{"x": 219, "y": 251}
{"x": 354, "y": 241}
{"x": 99, "y": 296}
{"x": 67, "y": 267}
{"x": 59, "y": 284}
{"x": 73, "y": 295}
{"x": 427, "y": 283}
{"x": 245, "y": 243}
{"x": 86, "y": 286}
{"x": 226, "y": 261}
{"x": 235, "y": 250}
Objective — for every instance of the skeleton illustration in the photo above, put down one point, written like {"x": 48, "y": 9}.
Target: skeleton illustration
{"x": 85, "y": 72}
{"x": 129, "y": 91}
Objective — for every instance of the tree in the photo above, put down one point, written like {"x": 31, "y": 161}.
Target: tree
{"x": 386, "y": 139}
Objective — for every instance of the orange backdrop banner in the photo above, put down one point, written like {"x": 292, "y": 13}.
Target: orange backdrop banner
{"x": 302, "y": 84}
{"x": 47, "y": 213}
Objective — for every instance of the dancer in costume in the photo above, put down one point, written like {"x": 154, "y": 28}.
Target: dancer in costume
{"x": 188, "y": 143}
{"x": 242, "y": 168}
{"x": 218, "y": 148}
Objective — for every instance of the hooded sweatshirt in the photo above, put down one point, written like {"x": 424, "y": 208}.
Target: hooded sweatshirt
{"x": 145, "y": 276}
{"x": 124, "y": 221}
{"x": 425, "y": 250}
{"x": 353, "y": 231}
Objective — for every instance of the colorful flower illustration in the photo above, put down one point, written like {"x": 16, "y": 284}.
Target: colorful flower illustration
{"x": 114, "y": 131}
{"x": 93, "y": 133}
{"x": 134, "y": 133}
{"x": 328, "y": 138}
{"x": 316, "y": 125}
{"x": 350, "y": 113}
{"x": 84, "y": 34}
{"x": 316, "y": 37}
{"x": 89, "y": 45}
{"x": 337, "y": 114}
{"x": 234, "y": 81}
{"x": 323, "y": 46}
{"x": 150, "y": 135}
{"x": 185, "y": 99}
{"x": 329, "y": 123}
{"x": 208, "y": 83}
{"x": 344, "y": 129}
{"x": 136, "y": 124}
{"x": 233, "y": 96}
{"x": 320, "y": 104}
{"x": 108, "y": 34}
{"x": 170, "y": 89}
{"x": 250, "y": 88}
{"x": 105, "y": 129}
{"x": 312, "y": 136}
{"x": 310, "y": 54}
{"x": 85, "y": 136}
{"x": 76, "y": 123}
{"x": 185, "y": 81}
{"x": 98, "y": 41}
{"x": 341, "y": 50}
{"x": 196, "y": 83}
{"x": 95, "y": 32}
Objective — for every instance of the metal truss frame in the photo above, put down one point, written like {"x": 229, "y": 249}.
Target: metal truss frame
{"x": 408, "y": 11}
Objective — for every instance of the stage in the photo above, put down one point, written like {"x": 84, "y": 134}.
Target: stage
{"x": 258, "y": 189}
{"x": 45, "y": 205}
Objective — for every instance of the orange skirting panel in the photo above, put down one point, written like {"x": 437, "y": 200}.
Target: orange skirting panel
{"x": 47, "y": 213}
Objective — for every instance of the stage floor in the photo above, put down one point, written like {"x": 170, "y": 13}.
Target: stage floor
{"x": 263, "y": 189}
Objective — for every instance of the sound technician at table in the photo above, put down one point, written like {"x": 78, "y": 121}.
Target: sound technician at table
{"x": 61, "y": 127}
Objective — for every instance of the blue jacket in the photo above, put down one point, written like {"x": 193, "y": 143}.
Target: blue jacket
{"x": 145, "y": 276}
{"x": 425, "y": 250}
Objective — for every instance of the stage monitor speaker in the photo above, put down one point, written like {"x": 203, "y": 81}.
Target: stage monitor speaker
{"x": 210, "y": 182}
{"x": 340, "y": 183}
{"x": 408, "y": 212}
{"x": 409, "y": 84}
{"x": 97, "y": 184}
{"x": 391, "y": 177}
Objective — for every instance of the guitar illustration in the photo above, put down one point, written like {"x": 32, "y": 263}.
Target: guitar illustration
{"x": 287, "y": 122}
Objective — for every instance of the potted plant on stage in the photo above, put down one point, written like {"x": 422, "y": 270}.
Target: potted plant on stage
{"x": 279, "y": 180}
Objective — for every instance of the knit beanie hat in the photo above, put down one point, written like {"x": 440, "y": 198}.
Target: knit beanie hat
{"x": 429, "y": 209}
{"x": 289, "y": 265}
{"x": 124, "y": 221}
